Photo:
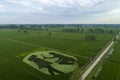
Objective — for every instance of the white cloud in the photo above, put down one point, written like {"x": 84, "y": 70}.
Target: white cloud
{"x": 114, "y": 12}
{"x": 1, "y": 6}
{"x": 62, "y": 6}
{"x": 23, "y": 2}
{"x": 57, "y": 3}
{"x": 66, "y": 9}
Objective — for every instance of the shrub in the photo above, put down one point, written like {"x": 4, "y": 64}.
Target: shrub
{"x": 90, "y": 37}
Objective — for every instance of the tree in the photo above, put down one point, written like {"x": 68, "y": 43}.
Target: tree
{"x": 25, "y": 31}
{"x": 99, "y": 30}
{"x": 49, "y": 34}
{"x": 78, "y": 29}
{"x": 91, "y": 30}
{"x": 82, "y": 29}
{"x": 19, "y": 30}
{"x": 110, "y": 31}
{"x": 90, "y": 37}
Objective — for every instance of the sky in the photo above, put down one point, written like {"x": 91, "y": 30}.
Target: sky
{"x": 59, "y": 11}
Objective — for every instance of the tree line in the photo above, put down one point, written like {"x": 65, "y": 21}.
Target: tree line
{"x": 73, "y": 29}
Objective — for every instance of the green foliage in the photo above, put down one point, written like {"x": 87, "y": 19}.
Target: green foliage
{"x": 25, "y": 31}
{"x": 90, "y": 37}
{"x": 49, "y": 34}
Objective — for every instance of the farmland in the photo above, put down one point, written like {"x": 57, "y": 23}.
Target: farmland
{"x": 111, "y": 67}
{"x": 55, "y": 62}
{"x": 13, "y": 45}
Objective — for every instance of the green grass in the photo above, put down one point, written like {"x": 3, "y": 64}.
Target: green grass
{"x": 13, "y": 43}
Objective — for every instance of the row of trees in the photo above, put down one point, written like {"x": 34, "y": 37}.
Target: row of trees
{"x": 90, "y": 37}
{"x": 91, "y": 30}
{"x": 36, "y": 26}
{"x": 73, "y": 29}
{"x": 24, "y": 31}
{"x": 99, "y": 30}
{"x": 87, "y": 37}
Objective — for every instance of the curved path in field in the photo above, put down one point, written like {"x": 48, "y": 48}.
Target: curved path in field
{"x": 87, "y": 72}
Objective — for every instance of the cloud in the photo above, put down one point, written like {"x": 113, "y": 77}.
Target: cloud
{"x": 23, "y": 2}
{"x": 67, "y": 7}
{"x": 1, "y": 6}
{"x": 59, "y": 9}
{"x": 114, "y": 12}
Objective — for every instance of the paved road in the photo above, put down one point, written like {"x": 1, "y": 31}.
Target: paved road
{"x": 84, "y": 76}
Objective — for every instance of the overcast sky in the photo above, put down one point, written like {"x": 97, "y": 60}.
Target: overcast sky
{"x": 59, "y": 11}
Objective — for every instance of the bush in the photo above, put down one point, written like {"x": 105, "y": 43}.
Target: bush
{"x": 90, "y": 37}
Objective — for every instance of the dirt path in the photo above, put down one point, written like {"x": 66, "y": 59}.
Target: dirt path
{"x": 84, "y": 76}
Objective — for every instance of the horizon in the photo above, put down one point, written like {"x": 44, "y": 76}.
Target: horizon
{"x": 60, "y": 23}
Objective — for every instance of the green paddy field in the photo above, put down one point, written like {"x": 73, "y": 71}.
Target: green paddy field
{"x": 15, "y": 45}
{"x": 111, "y": 66}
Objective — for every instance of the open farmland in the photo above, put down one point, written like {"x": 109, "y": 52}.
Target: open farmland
{"x": 59, "y": 39}
{"x": 111, "y": 67}
{"x": 14, "y": 44}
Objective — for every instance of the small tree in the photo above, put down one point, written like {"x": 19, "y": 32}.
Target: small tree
{"x": 25, "y": 31}
{"x": 19, "y": 30}
{"x": 82, "y": 29}
{"x": 49, "y": 34}
{"x": 91, "y": 30}
{"x": 110, "y": 31}
{"x": 78, "y": 29}
{"x": 90, "y": 37}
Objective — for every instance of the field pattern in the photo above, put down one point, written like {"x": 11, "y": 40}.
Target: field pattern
{"x": 51, "y": 62}
{"x": 14, "y": 43}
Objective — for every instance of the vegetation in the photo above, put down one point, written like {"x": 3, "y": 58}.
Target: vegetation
{"x": 15, "y": 45}
{"x": 90, "y": 37}
{"x": 51, "y": 62}
{"x": 111, "y": 67}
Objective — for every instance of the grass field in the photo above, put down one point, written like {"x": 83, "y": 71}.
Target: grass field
{"x": 13, "y": 43}
{"x": 111, "y": 67}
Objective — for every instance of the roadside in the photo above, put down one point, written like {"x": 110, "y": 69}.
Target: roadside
{"x": 84, "y": 76}
{"x": 93, "y": 70}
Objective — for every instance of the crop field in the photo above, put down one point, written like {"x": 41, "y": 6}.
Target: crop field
{"x": 111, "y": 67}
{"x": 51, "y": 62}
{"x": 15, "y": 46}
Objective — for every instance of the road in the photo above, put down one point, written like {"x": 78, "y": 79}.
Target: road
{"x": 87, "y": 72}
